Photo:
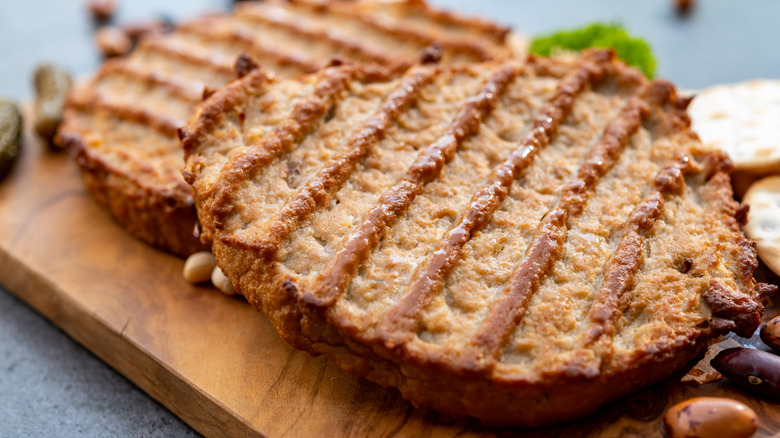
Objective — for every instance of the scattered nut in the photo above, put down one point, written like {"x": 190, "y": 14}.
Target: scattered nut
{"x": 52, "y": 84}
{"x": 198, "y": 267}
{"x": 102, "y": 10}
{"x": 10, "y": 136}
{"x": 112, "y": 41}
{"x": 770, "y": 333}
{"x": 710, "y": 417}
{"x": 221, "y": 282}
{"x": 684, "y": 7}
{"x": 754, "y": 370}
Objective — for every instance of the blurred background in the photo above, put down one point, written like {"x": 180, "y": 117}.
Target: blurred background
{"x": 717, "y": 41}
{"x": 51, "y": 386}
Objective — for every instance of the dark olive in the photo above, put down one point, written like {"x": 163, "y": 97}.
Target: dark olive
{"x": 755, "y": 370}
{"x": 770, "y": 333}
{"x": 10, "y": 135}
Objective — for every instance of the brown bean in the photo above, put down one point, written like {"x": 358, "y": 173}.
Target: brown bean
{"x": 770, "y": 333}
{"x": 710, "y": 417}
{"x": 754, "y": 370}
{"x": 52, "y": 84}
{"x": 112, "y": 41}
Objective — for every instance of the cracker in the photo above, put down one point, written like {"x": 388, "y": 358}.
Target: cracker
{"x": 764, "y": 221}
{"x": 742, "y": 120}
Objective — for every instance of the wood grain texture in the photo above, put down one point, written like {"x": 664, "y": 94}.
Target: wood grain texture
{"x": 214, "y": 361}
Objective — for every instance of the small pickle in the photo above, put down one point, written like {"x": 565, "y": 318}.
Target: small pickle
{"x": 10, "y": 136}
{"x": 770, "y": 333}
{"x": 755, "y": 370}
{"x": 710, "y": 417}
{"x": 51, "y": 87}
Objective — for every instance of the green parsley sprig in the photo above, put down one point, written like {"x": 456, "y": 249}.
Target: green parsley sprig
{"x": 633, "y": 51}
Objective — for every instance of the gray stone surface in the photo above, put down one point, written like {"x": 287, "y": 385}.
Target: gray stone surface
{"x": 52, "y": 386}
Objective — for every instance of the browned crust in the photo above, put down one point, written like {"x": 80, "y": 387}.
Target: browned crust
{"x": 474, "y": 48}
{"x": 163, "y": 46}
{"x": 161, "y": 216}
{"x": 127, "y": 112}
{"x": 254, "y": 47}
{"x": 211, "y": 111}
{"x": 352, "y": 47}
{"x": 715, "y": 169}
{"x": 164, "y": 219}
{"x": 334, "y": 277}
{"x": 498, "y": 404}
{"x": 178, "y": 88}
{"x": 496, "y": 32}
{"x": 304, "y": 117}
{"x": 731, "y": 311}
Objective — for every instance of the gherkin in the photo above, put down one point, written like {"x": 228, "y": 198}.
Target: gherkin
{"x": 10, "y": 135}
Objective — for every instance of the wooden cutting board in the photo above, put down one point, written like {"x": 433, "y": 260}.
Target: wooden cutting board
{"x": 214, "y": 361}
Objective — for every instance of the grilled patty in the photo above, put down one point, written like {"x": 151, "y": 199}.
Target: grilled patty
{"x": 517, "y": 241}
{"x": 122, "y": 124}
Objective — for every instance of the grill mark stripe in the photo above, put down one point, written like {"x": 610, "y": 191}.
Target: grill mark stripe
{"x": 547, "y": 246}
{"x": 262, "y": 52}
{"x": 620, "y": 271}
{"x": 214, "y": 109}
{"x": 334, "y": 173}
{"x": 171, "y": 84}
{"x": 302, "y": 121}
{"x": 163, "y": 46}
{"x": 399, "y": 323}
{"x": 409, "y": 33}
{"x": 164, "y": 125}
{"x": 449, "y": 18}
{"x": 351, "y": 45}
{"x": 333, "y": 279}
{"x": 145, "y": 167}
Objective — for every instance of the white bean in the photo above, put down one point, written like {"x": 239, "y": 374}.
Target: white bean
{"x": 198, "y": 267}
{"x": 221, "y": 282}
